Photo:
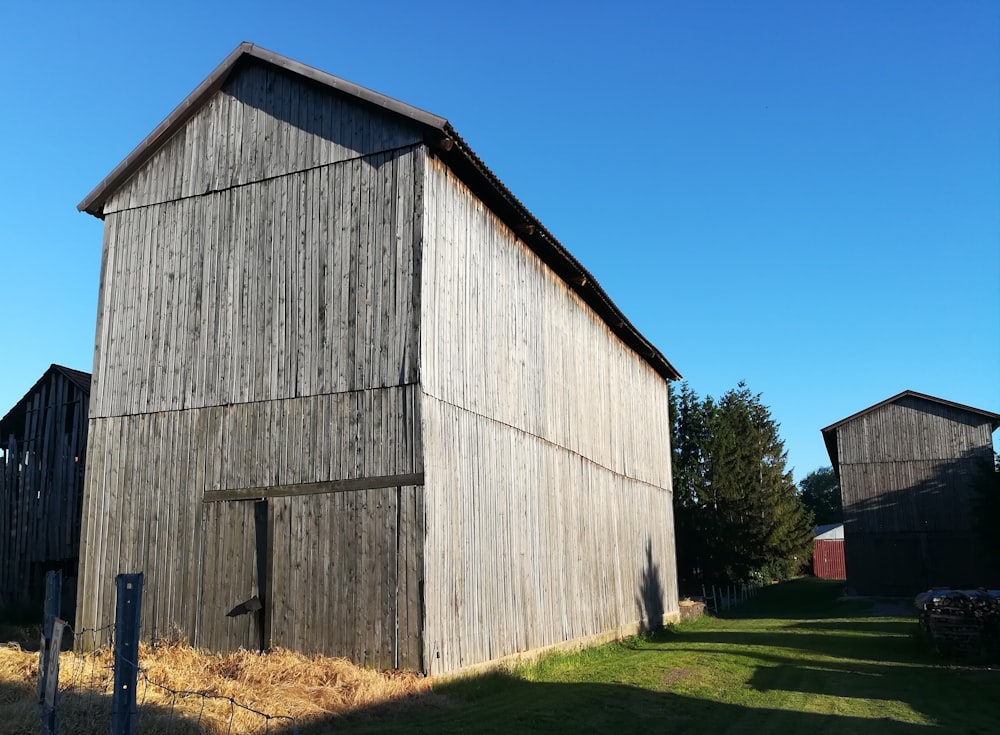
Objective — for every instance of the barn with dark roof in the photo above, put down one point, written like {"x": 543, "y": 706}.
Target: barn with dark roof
{"x": 43, "y": 442}
{"x": 343, "y": 374}
{"x": 906, "y": 467}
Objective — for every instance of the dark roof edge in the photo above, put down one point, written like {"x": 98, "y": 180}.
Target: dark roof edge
{"x": 79, "y": 378}
{"x": 544, "y": 244}
{"x": 456, "y": 154}
{"x": 994, "y": 417}
{"x": 830, "y": 434}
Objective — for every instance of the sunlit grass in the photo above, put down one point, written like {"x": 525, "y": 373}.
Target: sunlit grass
{"x": 795, "y": 660}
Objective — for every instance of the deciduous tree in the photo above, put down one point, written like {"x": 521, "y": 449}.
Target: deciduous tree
{"x": 820, "y": 492}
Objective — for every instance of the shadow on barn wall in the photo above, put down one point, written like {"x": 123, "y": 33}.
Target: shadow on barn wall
{"x": 930, "y": 532}
{"x": 650, "y": 599}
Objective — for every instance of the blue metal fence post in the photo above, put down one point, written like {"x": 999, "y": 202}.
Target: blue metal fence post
{"x": 128, "y": 610}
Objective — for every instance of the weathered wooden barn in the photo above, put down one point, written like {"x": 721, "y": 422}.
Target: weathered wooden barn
{"x": 341, "y": 369}
{"x": 905, "y": 466}
{"x": 43, "y": 442}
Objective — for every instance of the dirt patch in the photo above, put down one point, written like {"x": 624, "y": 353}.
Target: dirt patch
{"x": 673, "y": 676}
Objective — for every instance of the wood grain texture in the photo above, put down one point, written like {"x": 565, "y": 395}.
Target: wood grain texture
{"x": 255, "y": 330}
{"x": 906, "y": 470}
{"x": 297, "y": 286}
{"x": 297, "y": 296}
{"x": 156, "y": 469}
{"x": 547, "y": 477}
{"x": 265, "y": 123}
{"x": 350, "y": 575}
{"x": 530, "y": 544}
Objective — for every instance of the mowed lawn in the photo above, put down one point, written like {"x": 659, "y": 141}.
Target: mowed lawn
{"x": 793, "y": 660}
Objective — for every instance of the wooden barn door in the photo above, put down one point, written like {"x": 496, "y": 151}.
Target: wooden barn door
{"x": 344, "y": 574}
{"x": 231, "y": 561}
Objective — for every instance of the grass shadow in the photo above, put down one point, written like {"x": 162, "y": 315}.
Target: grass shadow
{"x": 502, "y": 703}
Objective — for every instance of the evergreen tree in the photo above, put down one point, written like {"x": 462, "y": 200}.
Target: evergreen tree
{"x": 820, "y": 493}
{"x": 738, "y": 513}
{"x": 690, "y": 435}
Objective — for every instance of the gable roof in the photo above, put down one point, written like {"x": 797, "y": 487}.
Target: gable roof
{"x": 77, "y": 377}
{"x": 446, "y": 143}
{"x": 830, "y": 432}
{"x": 829, "y": 532}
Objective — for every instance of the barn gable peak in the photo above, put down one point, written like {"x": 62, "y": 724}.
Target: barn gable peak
{"x": 434, "y": 131}
{"x": 916, "y": 399}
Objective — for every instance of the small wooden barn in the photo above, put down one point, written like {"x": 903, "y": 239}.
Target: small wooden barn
{"x": 828, "y": 552}
{"x": 43, "y": 442}
{"x": 905, "y": 466}
{"x": 342, "y": 373}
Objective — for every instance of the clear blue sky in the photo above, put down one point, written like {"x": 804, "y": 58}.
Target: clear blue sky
{"x": 802, "y": 195}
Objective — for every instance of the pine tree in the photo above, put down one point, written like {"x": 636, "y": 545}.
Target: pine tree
{"x": 738, "y": 514}
{"x": 690, "y": 436}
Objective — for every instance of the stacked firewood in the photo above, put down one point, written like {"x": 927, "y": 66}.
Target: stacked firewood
{"x": 962, "y": 622}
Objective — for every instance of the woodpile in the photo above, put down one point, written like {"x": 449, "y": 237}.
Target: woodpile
{"x": 962, "y": 622}
{"x": 691, "y": 609}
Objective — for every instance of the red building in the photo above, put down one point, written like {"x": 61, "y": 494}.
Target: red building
{"x": 828, "y": 553}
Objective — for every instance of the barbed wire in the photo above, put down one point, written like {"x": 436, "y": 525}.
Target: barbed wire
{"x": 205, "y": 696}
{"x": 98, "y": 684}
{"x": 101, "y": 640}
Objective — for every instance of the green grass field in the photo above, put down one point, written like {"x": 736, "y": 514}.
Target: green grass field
{"x": 793, "y": 660}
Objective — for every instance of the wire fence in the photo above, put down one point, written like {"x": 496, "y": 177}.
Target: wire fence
{"x": 88, "y": 673}
{"x": 723, "y": 597}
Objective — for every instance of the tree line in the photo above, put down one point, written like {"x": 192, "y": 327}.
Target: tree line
{"x": 738, "y": 515}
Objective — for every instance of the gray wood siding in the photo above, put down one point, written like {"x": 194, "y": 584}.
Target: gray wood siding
{"x": 908, "y": 563}
{"x": 919, "y": 495}
{"x": 257, "y": 337}
{"x": 296, "y": 286}
{"x": 547, "y": 450}
{"x": 349, "y": 565}
{"x": 913, "y": 429}
{"x": 264, "y": 124}
{"x": 504, "y": 337}
{"x": 151, "y": 474}
{"x": 530, "y": 545}
{"x": 905, "y": 473}
{"x": 906, "y": 467}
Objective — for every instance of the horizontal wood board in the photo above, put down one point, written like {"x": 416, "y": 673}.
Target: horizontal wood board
{"x": 144, "y": 495}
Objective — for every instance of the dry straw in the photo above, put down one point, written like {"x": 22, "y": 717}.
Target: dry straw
{"x": 183, "y": 690}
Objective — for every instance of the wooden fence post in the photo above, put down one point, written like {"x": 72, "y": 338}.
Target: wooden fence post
{"x": 48, "y": 653}
{"x": 128, "y": 612}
